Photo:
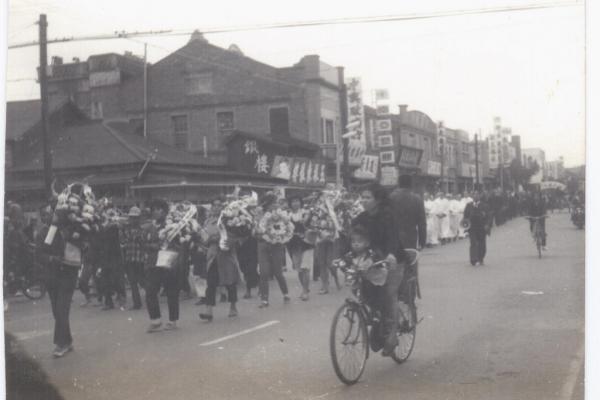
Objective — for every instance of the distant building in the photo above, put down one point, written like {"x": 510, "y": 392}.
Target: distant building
{"x": 95, "y": 85}
{"x": 555, "y": 170}
{"x": 534, "y": 156}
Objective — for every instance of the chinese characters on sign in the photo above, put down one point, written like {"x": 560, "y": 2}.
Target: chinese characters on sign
{"x": 307, "y": 172}
{"x": 356, "y": 151}
{"x": 368, "y": 168}
{"x": 434, "y": 168}
{"x": 409, "y": 157}
{"x": 356, "y": 118}
{"x": 261, "y": 163}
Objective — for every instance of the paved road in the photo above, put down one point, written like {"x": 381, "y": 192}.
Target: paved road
{"x": 512, "y": 329}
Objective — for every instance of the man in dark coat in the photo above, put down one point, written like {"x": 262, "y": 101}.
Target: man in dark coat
{"x": 409, "y": 212}
{"x": 479, "y": 216}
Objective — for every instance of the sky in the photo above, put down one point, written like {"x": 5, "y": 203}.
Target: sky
{"x": 526, "y": 67}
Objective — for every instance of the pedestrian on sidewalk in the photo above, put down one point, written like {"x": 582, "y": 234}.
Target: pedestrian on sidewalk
{"x": 479, "y": 215}
{"x": 158, "y": 276}
{"x": 132, "y": 238}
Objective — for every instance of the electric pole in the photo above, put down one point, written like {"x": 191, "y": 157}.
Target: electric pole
{"x": 145, "y": 91}
{"x": 476, "y": 162}
{"x": 43, "y": 25}
{"x": 344, "y": 117}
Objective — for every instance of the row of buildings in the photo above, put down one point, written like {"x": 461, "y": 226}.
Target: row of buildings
{"x": 204, "y": 119}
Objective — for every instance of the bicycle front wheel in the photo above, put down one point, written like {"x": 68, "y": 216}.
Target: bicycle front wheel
{"x": 349, "y": 343}
{"x": 407, "y": 332}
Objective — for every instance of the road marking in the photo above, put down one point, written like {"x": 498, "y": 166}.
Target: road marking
{"x": 244, "y": 332}
{"x": 574, "y": 368}
{"x": 31, "y": 334}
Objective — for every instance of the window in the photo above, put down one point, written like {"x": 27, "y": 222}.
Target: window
{"x": 279, "y": 121}
{"x": 412, "y": 140}
{"x": 327, "y": 131}
{"x": 225, "y": 121}
{"x": 180, "y": 131}
{"x": 198, "y": 84}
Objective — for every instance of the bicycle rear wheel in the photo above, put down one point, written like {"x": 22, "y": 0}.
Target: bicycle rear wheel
{"x": 407, "y": 328}
{"x": 349, "y": 343}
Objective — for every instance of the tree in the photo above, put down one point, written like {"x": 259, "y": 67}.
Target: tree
{"x": 521, "y": 174}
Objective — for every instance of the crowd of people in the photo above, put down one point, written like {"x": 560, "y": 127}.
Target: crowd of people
{"x": 128, "y": 247}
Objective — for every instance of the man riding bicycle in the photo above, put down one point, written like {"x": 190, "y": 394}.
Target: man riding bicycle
{"x": 538, "y": 208}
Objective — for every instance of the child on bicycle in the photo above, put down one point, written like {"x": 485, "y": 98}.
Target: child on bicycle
{"x": 362, "y": 258}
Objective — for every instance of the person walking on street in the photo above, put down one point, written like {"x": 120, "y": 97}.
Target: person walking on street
{"x": 132, "y": 237}
{"x": 301, "y": 253}
{"x": 271, "y": 259}
{"x": 409, "y": 212}
{"x": 61, "y": 264}
{"x": 223, "y": 271}
{"x": 478, "y": 214}
{"x": 160, "y": 275}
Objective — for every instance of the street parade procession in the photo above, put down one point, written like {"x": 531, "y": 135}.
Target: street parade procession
{"x": 320, "y": 201}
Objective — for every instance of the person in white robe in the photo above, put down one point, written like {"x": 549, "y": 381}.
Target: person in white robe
{"x": 432, "y": 237}
{"x": 455, "y": 215}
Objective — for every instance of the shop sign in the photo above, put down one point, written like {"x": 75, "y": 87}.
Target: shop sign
{"x": 307, "y": 172}
{"x": 368, "y": 168}
{"x": 356, "y": 117}
{"x": 389, "y": 176}
{"x": 356, "y": 150}
{"x": 434, "y": 168}
{"x": 384, "y": 125}
{"x": 387, "y": 157}
{"x": 409, "y": 157}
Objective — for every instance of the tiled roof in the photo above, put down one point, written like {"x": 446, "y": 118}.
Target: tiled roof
{"x": 21, "y": 116}
{"x": 93, "y": 144}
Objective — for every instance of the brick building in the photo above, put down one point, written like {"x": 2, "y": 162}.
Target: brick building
{"x": 201, "y": 93}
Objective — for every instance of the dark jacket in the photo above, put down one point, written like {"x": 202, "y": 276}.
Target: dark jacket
{"x": 537, "y": 208}
{"x": 480, "y": 217}
{"x": 409, "y": 211}
{"x": 383, "y": 232}
{"x": 46, "y": 253}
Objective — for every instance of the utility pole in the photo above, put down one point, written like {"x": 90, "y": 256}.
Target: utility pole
{"x": 442, "y": 146}
{"x": 43, "y": 25}
{"x": 344, "y": 122}
{"x": 476, "y": 162}
{"x": 145, "y": 90}
{"x": 501, "y": 166}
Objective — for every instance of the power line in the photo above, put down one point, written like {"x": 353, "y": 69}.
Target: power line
{"x": 310, "y": 23}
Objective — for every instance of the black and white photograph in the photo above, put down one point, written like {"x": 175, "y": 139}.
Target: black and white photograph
{"x": 298, "y": 200}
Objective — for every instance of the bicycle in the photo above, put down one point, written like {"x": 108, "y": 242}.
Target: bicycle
{"x": 363, "y": 324}
{"x": 537, "y": 232}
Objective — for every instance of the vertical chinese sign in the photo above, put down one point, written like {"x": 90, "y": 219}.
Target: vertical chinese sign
{"x": 357, "y": 143}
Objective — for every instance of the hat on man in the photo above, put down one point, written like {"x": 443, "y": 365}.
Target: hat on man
{"x": 135, "y": 212}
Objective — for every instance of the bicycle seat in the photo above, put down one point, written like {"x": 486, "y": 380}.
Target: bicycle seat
{"x": 412, "y": 256}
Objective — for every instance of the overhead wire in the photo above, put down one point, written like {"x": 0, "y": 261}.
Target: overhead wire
{"x": 310, "y": 23}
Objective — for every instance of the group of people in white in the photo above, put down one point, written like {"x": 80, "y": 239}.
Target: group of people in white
{"x": 444, "y": 214}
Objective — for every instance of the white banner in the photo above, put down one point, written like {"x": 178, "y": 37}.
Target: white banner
{"x": 356, "y": 151}
{"x": 368, "y": 168}
{"x": 356, "y": 117}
